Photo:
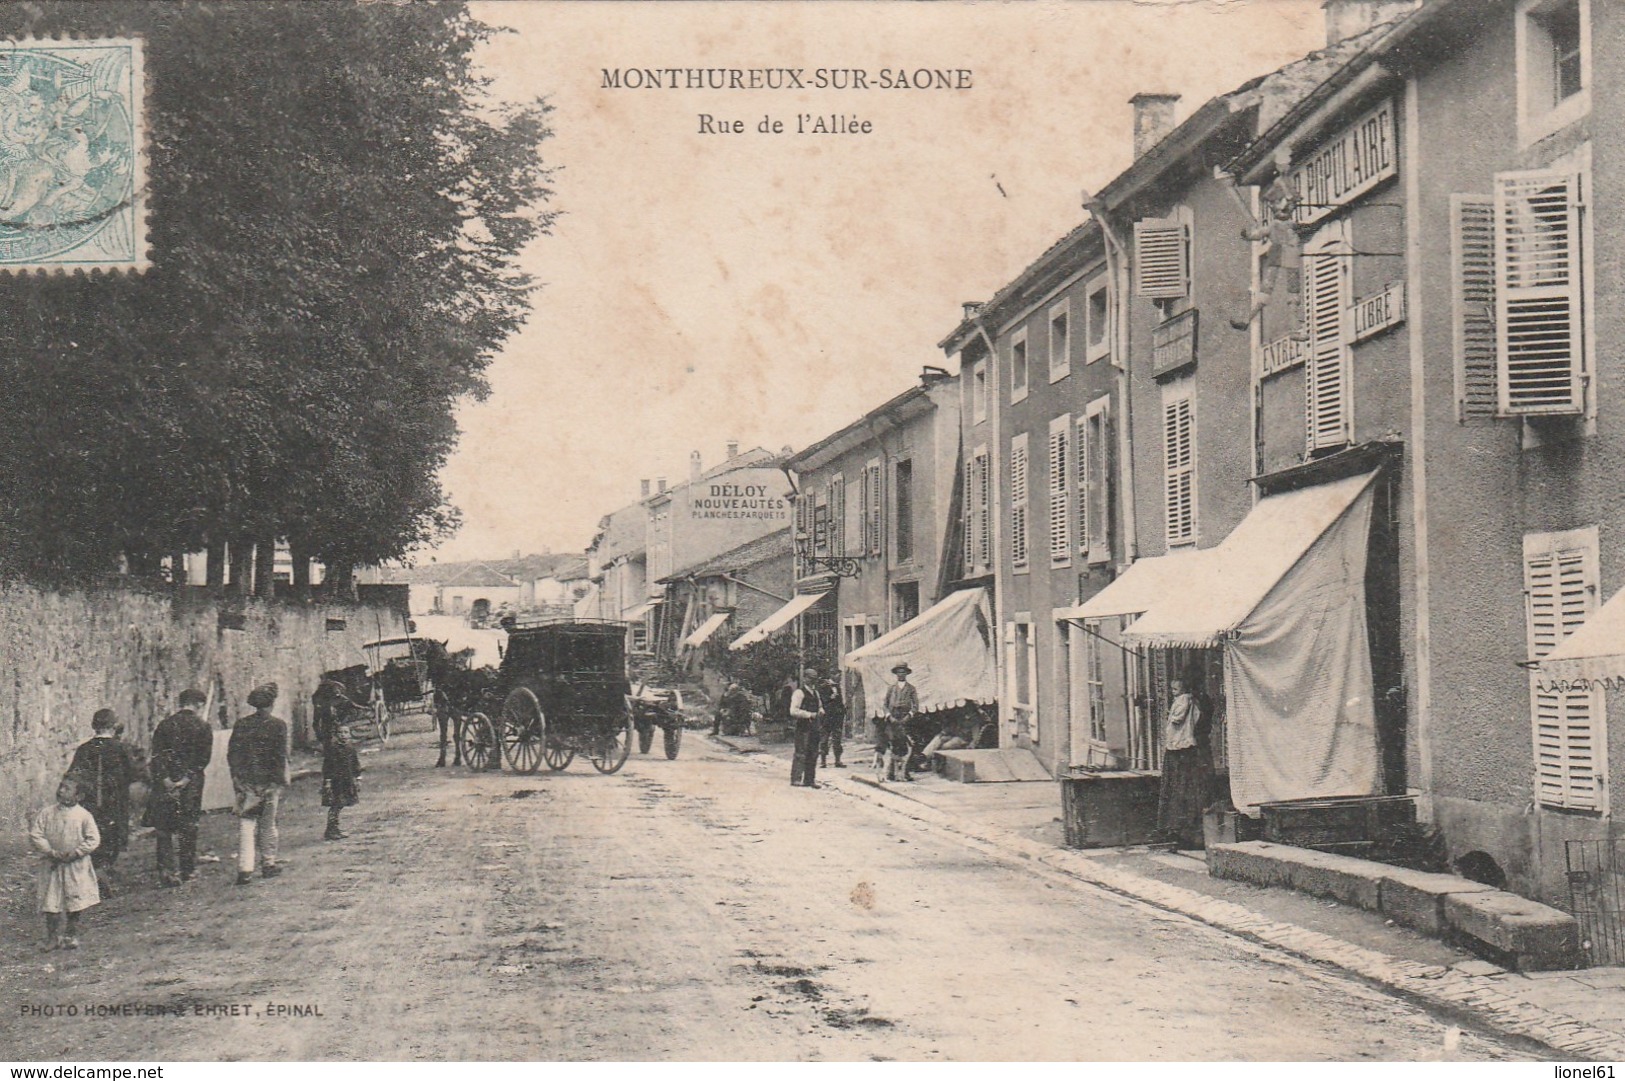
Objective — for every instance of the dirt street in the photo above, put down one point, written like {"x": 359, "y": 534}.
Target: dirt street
{"x": 696, "y": 909}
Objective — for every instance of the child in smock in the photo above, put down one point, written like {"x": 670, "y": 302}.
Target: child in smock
{"x": 340, "y": 788}
{"x": 65, "y": 834}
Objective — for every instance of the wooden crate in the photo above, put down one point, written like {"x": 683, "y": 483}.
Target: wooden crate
{"x": 1109, "y": 808}
{"x": 1335, "y": 821}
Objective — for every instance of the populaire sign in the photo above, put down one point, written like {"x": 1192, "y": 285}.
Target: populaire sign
{"x": 1354, "y": 161}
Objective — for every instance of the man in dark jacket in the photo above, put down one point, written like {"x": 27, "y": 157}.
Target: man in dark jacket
{"x": 258, "y": 758}
{"x": 106, "y": 769}
{"x": 834, "y": 724}
{"x": 182, "y": 745}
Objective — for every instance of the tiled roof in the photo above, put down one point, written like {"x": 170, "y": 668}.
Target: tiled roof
{"x": 775, "y": 545}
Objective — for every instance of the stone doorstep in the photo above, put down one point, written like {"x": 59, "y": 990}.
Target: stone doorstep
{"x": 1536, "y": 937}
{"x": 1415, "y": 899}
{"x": 1324, "y": 874}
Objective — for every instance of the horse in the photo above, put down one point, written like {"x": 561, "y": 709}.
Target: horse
{"x": 460, "y": 690}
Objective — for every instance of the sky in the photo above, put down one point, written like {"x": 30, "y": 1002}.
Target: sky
{"x": 707, "y": 287}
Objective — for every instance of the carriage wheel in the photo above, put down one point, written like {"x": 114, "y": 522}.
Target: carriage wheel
{"x": 556, "y": 754}
{"x": 614, "y": 747}
{"x": 674, "y": 740}
{"x": 479, "y": 741}
{"x": 380, "y": 719}
{"x": 524, "y": 730}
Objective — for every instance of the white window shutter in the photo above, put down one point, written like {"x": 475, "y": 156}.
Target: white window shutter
{"x": 970, "y": 509}
{"x": 1326, "y": 296}
{"x": 1018, "y": 501}
{"x": 1568, "y": 726}
{"x": 1060, "y": 490}
{"x": 1081, "y": 441}
{"x": 1472, "y": 274}
{"x": 1161, "y": 259}
{"x": 1539, "y": 322}
{"x": 984, "y": 491}
{"x": 1179, "y": 473}
{"x": 877, "y": 508}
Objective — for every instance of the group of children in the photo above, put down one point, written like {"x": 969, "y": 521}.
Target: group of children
{"x": 80, "y": 835}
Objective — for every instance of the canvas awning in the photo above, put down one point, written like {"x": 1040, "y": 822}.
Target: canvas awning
{"x": 1242, "y": 571}
{"x": 637, "y": 612}
{"x": 1146, "y": 582}
{"x": 949, "y": 646}
{"x": 763, "y": 630}
{"x": 705, "y": 630}
{"x": 1594, "y": 652}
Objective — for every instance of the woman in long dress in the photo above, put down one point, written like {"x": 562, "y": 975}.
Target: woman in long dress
{"x": 1187, "y": 767}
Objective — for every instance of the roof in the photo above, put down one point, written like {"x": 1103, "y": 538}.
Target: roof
{"x": 775, "y": 545}
{"x": 914, "y": 401}
{"x": 522, "y": 568}
{"x": 479, "y": 576}
{"x": 1071, "y": 250}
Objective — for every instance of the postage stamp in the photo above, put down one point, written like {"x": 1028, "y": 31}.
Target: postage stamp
{"x": 72, "y": 155}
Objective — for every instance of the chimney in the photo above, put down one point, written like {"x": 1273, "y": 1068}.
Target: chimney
{"x": 694, "y": 469}
{"x": 660, "y": 484}
{"x": 1347, "y": 18}
{"x": 643, "y": 489}
{"x": 733, "y": 449}
{"x": 1153, "y": 119}
{"x": 972, "y": 309}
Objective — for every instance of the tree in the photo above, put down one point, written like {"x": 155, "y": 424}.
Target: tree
{"x": 336, "y": 212}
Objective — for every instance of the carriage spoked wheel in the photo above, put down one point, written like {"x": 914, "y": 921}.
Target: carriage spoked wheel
{"x": 613, "y": 747}
{"x": 556, "y": 754}
{"x": 479, "y": 741}
{"x": 380, "y": 718}
{"x": 524, "y": 730}
{"x": 674, "y": 740}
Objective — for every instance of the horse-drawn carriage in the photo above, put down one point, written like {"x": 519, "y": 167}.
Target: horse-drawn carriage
{"x": 564, "y": 692}
{"x": 391, "y": 681}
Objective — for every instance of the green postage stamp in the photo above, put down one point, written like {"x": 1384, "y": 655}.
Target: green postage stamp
{"x": 72, "y": 155}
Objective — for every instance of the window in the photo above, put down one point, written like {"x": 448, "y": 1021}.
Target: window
{"x": 1018, "y": 501}
{"x": 1021, "y": 674}
{"x": 821, "y": 525}
{"x": 1472, "y": 265}
{"x": 1554, "y": 65}
{"x": 1018, "y": 366}
{"x": 1094, "y": 481}
{"x": 1061, "y": 478}
{"x": 1540, "y": 352}
{"x": 1060, "y": 341}
{"x": 1327, "y": 293}
{"x": 1569, "y": 727}
{"x": 873, "y": 522}
{"x": 1179, "y": 461}
{"x": 978, "y": 530}
{"x": 1161, "y": 259}
{"x": 905, "y": 602}
{"x": 1099, "y": 316}
{"x": 903, "y": 511}
{"x": 1095, "y": 682}
{"x": 978, "y": 392}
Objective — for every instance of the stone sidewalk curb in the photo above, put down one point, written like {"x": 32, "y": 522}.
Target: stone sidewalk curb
{"x": 1482, "y": 997}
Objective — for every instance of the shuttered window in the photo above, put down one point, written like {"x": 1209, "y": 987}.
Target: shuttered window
{"x": 972, "y": 507}
{"x": 873, "y": 516}
{"x": 1084, "y": 455}
{"x": 836, "y": 495}
{"x": 1539, "y": 319}
{"x": 1472, "y": 265}
{"x": 1179, "y": 462}
{"x": 1569, "y": 727}
{"x": 1161, "y": 259}
{"x": 1060, "y": 490}
{"x": 1018, "y": 501}
{"x": 866, "y": 501}
{"x": 984, "y": 521}
{"x": 1327, "y": 294}
{"x": 804, "y": 502}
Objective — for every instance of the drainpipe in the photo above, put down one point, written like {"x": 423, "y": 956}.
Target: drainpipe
{"x": 1117, "y": 268}
{"x": 996, "y": 525}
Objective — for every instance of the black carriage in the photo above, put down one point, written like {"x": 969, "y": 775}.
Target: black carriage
{"x": 565, "y": 692}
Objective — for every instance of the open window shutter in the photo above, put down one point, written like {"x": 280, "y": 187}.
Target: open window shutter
{"x": 1560, "y": 592}
{"x": 1326, "y": 369}
{"x": 1538, "y": 317}
{"x": 1018, "y": 502}
{"x": 972, "y": 504}
{"x": 984, "y": 518}
{"x": 1179, "y": 491}
{"x": 1472, "y": 273}
{"x": 1081, "y": 440}
{"x": 1060, "y": 501}
{"x": 876, "y": 507}
{"x": 1161, "y": 259}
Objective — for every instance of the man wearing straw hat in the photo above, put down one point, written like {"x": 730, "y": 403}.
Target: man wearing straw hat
{"x": 902, "y": 704}
{"x": 258, "y": 757}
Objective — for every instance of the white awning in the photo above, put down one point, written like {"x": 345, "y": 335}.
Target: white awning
{"x": 1594, "y": 652}
{"x": 1146, "y": 582}
{"x": 637, "y": 612}
{"x": 1243, "y": 570}
{"x": 949, "y": 646}
{"x": 706, "y": 630}
{"x": 797, "y": 605}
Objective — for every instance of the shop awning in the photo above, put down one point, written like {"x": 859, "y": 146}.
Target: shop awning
{"x": 637, "y": 612}
{"x": 763, "y": 630}
{"x": 1242, "y": 571}
{"x": 705, "y": 630}
{"x": 1594, "y": 652}
{"x": 949, "y": 647}
{"x": 1146, "y": 582}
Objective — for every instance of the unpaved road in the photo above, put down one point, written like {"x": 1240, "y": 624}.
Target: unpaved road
{"x": 692, "y": 910}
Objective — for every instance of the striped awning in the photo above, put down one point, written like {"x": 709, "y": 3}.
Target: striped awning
{"x": 763, "y": 630}
{"x": 705, "y": 630}
{"x": 1145, "y": 583}
{"x": 637, "y": 612}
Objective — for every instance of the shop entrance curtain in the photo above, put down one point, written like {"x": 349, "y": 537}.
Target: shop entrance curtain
{"x": 1297, "y": 677}
{"x": 949, "y": 646}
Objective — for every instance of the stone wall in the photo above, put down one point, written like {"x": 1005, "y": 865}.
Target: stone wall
{"x": 65, "y": 655}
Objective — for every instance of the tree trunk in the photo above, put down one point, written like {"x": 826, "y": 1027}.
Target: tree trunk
{"x": 215, "y": 568}
{"x": 301, "y": 570}
{"x": 265, "y": 568}
{"x": 178, "y": 578}
{"x": 242, "y": 566}
{"x": 340, "y": 584}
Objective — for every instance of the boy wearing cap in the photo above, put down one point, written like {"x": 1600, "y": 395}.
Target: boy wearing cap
{"x": 106, "y": 769}
{"x": 258, "y": 758}
{"x": 182, "y": 746}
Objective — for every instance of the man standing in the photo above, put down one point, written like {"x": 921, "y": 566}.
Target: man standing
{"x": 182, "y": 745}
{"x": 258, "y": 757}
{"x": 106, "y": 770}
{"x": 902, "y": 703}
{"x": 806, "y": 713}
{"x": 834, "y": 726}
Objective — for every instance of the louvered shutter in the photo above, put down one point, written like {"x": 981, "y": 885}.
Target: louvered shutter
{"x": 1161, "y": 259}
{"x": 984, "y": 516}
{"x": 1060, "y": 490}
{"x": 1560, "y": 578}
{"x": 972, "y": 505}
{"x": 1179, "y": 473}
{"x": 837, "y": 514}
{"x": 1082, "y": 454}
{"x": 1326, "y": 296}
{"x": 877, "y": 504}
{"x": 1018, "y": 501}
{"x": 1472, "y": 272}
{"x": 1538, "y": 317}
